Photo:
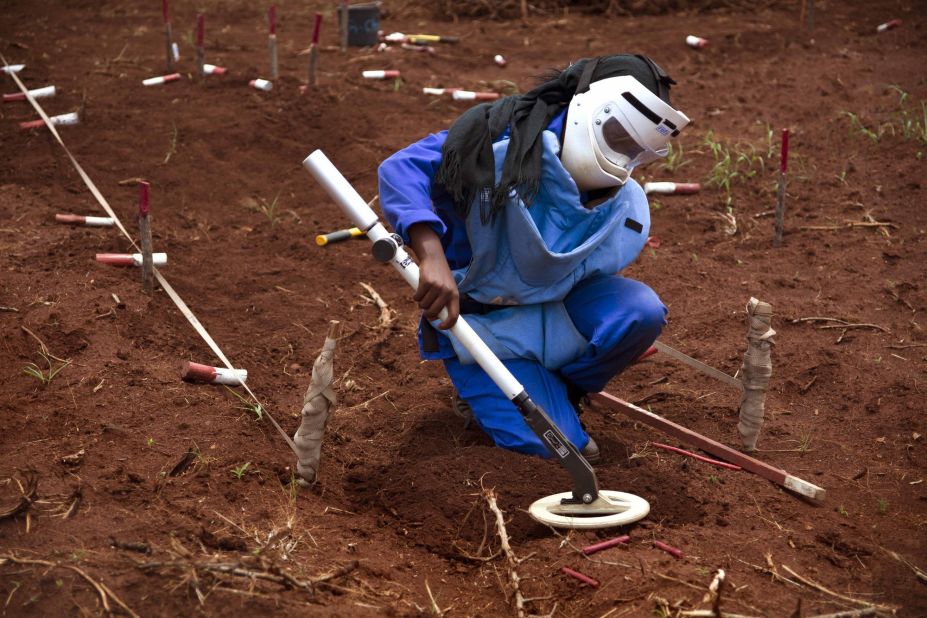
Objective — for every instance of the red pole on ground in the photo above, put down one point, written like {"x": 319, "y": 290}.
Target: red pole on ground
{"x": 272, "y": 40}
{"x": 314, "y": 48}
{"x": 200, "y": 51}
{"x": 144, "y": 227}
{"x": 780, "y": 197}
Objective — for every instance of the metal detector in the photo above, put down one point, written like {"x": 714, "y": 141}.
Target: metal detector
{"x": 586, "y": 506}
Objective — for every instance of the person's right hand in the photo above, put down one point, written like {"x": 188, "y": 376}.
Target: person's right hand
{"x": 437, "y": 289}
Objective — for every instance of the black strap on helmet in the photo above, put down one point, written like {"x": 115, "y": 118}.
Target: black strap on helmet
{"x": 664, "y": 81}
{"x": 585, "y": 78}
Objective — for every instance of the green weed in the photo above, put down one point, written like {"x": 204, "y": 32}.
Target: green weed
{"x": 239, "y": 471}
{"x": 674, "y": 158}
{"x": 857, "y": 126}
{"x": 269, "y": 209}
{"x": 883, "y": 506}
{"x": 249, "y": 406}
{"x": 45, "y": 376}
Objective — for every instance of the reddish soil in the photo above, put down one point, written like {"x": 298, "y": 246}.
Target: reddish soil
{"x": 399, "y": 489}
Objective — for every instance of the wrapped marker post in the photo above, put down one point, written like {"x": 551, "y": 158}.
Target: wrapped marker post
{"x": 272, "y": 40}
{"x": 211, "y": 69}
{"x": 314, "y": 48}
{"x": 36, "y": 93}
{"x": 889, "y": 25}
{"x": 261, "y": 84}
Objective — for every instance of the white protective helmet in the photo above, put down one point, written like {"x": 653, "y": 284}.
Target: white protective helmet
{"x": 614, "y": 126}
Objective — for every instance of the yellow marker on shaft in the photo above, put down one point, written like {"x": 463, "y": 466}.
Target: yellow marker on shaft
{"x": 324, "y": 239}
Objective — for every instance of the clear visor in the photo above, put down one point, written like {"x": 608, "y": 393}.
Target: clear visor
{"x": 617, "y": 141}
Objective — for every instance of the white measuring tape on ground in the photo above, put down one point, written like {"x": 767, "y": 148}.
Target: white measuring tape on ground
{"x": 171, "y": 293}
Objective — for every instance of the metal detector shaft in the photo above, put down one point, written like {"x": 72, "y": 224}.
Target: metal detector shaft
{"x": 388, "y": 248}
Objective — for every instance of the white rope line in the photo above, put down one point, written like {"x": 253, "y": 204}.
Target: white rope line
{"x": 172, "y": 294}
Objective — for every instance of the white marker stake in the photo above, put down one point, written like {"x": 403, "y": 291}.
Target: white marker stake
{"x": 130, "y": 259}
{"x": 696, "y": 42}
{"x": 380, "y": 74}
{"x": 58, "y": 121}
{"x": 9, "y": 69}
{"x": 37, "y": 93}
{"x": 669, "y": 188}
{"x": 82, "y": 220}
{"x": 211, "y": 69}
{"x": 195, "y": 372}
{"x": 161, "y": 79}
{"x": 498, "y": 59}
{"x": 466, "y": 95}
{"x": 261, "y": 84}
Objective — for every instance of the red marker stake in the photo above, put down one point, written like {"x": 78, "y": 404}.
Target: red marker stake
{"x": 314, "y": 48}
{"x": 780, "y": 196}
{"x": 272, "y": 41}
{"x": 672, "y": 551}
{"x": 168, "y": 37}
{"x": 200, "y": 51}
{"x": 597, "y": 547}
{"x": 144, "y": 228}
{"x": 577, "y": 575}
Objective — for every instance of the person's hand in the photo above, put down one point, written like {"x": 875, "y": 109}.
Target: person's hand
{"x": 437, "y": 289}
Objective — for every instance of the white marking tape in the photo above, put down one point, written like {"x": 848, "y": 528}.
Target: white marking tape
{"x": 178, "y": 301}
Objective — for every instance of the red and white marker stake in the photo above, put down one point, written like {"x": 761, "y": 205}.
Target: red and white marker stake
{"x": 889, "y": 25}
{"x": 499, "y": 60}
{"x": 580, "y": 576}
{"x": 195, "y": 372}
{"x": 58, "y": 121}
{"x": 440, "y": 91}
{"x": 200, "y": 38}
{"x": 130, "y": 259}
{"x": 272, "y": 40}
{"x": 780, "y": 194}
{"x": 314, "y": 48}
{"x": 467, "y": 95}
{"x": 161, "y": 79}
{"x": 211, "y": 69}
{"x": 669, "y": 188}
{"x": 9, "y": 69}
{"x": 380, "y": 74}
{"x": 37, "y": 93}
{"x": 696, "y": 42}
{"x": 83, "y": 220}
{"x": 672, "y": 551}
{"x": 261, "y": 84}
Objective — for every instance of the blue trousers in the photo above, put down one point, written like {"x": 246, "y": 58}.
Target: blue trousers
{"x": 619, "y": 317}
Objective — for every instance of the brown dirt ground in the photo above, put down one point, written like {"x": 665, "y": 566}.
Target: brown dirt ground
{"x": 399, "y": 487}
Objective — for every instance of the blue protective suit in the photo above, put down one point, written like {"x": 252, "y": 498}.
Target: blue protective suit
{"x": 572, "y": 318}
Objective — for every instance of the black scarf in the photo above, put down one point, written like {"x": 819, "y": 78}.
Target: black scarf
{"x": 467, "y": 164}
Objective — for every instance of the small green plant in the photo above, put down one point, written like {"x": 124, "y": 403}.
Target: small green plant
{"x": 674, "y": 158}
{"x": 45, "y": 376}
{"x": 150, "y": 442}
{"x": 883, "y": 506}
{"x": 172, "y": 150}
{"x": 249, "y": 406}
{"x": 842, "y": 511}
{"x": 857, "y": 126}
{"x": 239, "y": 471}
{"x": 804, "y": 444}
{"x": 269, "y": 210}
{"x": 714, "y": 479}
